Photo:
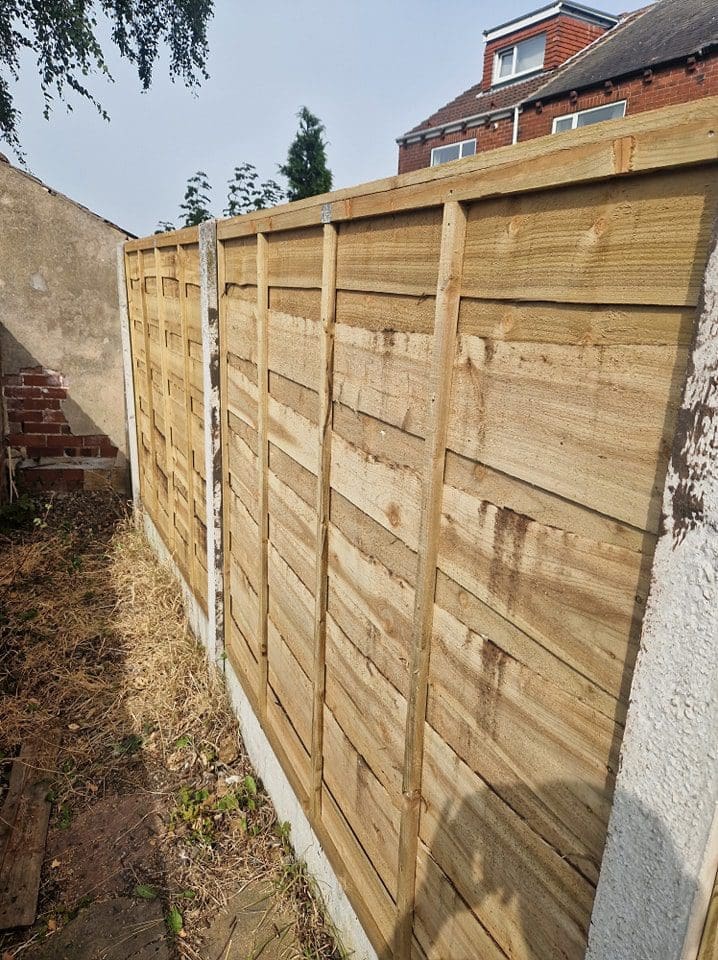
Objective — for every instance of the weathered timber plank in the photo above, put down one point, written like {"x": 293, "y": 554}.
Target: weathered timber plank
{"x": 385, "y": 312}
{"x": 326, "y": 373}
{"x": 554, "y": 756}
{"x": 372, "y": 814}
{"x": 444, "y": 923}
{"x": 291, "y": 610}
{"x": 383, "y": 374}
{"x": 294, "y": 259}
{"x": 453, "y": 235}
{"x": 576, "y": 323}
{"x": 262, "y": 465}
{"x": 581, "y": 599}
{"x": 589, "y": 423}
{"x": 294, "y": 348}
{"x": 25, "y": 817}
{"x": 625, "y": 242}
{"x": 391, "y": 254}
{"x": 534, "y": 904}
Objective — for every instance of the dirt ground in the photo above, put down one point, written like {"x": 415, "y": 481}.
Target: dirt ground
{"x": 162, "y": 842}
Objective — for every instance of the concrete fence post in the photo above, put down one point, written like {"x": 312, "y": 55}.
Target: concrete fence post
{"x": 209, "y": 310}
{"x": 661, "y": 853}
{"x": 128, "y": 369}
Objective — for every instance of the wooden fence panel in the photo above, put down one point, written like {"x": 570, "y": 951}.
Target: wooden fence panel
{"x": 447, "y": 404}
{"x": 163, "y": 304}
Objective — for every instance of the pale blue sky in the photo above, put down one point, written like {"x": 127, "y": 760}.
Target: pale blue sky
{"x": 369, "y": 69}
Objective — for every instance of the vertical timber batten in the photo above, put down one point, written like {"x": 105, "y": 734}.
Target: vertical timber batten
{"x": 151, "y": 499}
{"x": 182, "y": 290}
{"x": 169, "y": 455}
{"x": 129, "y": 375}
{"x": 659, "y": 863}
{"x": 328, "y": 318}
{"x": 209, "y": 319}
{"x": 448, "y": 295}
{"x": 263, "y": 466}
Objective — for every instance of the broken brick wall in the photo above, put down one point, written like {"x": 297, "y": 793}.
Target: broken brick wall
{"x": 60, "y": 337}
{"x": 45, "y": 453}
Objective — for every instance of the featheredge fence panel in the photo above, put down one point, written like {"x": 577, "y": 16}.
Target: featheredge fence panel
{"x": 163, "y": 303}
{"x": 447, "y": 405}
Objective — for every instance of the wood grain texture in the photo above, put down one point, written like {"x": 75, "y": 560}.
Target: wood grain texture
{"x": 262, "y": 467}
{"x": 326, "y": 366}
{"x": 451, "y": 260}
{"x": 23, "y": 831}
{"x": 442, "y": 475}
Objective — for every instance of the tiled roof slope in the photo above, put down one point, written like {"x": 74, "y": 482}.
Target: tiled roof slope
{"x": 665, "y": 31}
{"x": 474, "y": 101}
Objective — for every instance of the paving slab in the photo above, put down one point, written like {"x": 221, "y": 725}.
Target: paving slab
{"x": 121, "y": 929}
{"x": 255, "y": 925}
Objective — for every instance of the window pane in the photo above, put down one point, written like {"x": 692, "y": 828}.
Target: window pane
{"x": 563, "y": 123}
{"x": 530, "y": 53}
{"x": 468, "y": 148}
{"x": 506, "y": 63}
{"x": 612, "y": 111}
{"x": 444, "y": 154}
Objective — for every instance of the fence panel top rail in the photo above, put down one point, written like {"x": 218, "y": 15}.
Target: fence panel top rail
{"x": 655, "y": 140}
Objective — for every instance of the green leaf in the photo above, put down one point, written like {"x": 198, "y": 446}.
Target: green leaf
{"x": 145, "y": 891}
{"x": 250, "y": 786}
{"x": 175, "y": 921}
{"x": 184, "y": 741}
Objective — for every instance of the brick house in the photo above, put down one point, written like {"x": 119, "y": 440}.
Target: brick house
{"x": 567, "y": 65}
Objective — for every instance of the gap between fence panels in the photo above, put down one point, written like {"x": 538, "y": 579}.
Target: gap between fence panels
{"x": 434, "y": 612}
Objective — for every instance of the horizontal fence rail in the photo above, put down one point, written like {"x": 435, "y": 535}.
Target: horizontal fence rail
{"x": 447, "y": 403}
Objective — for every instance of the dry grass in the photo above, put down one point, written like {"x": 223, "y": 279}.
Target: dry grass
{"x": 93, "y": 641}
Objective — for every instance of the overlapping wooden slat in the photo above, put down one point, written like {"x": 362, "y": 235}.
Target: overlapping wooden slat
{"x": 580, "y": 275}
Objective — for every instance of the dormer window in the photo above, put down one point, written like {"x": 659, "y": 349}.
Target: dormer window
{"x": 524, "y": 57}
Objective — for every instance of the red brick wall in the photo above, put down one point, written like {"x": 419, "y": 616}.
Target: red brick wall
{"x": 39, "y": 436}
{"x": 414, "y": 156}
{"x": 669, "y": 85}
{"x": 564, "y": 37}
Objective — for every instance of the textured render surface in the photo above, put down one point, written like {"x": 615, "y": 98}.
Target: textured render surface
{"x": 58, "y": 300}
{"x": 209, "y": 317}
{"x": 660, "y": 857}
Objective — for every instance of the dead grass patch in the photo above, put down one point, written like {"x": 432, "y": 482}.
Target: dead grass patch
{"x": 93, "y": 641}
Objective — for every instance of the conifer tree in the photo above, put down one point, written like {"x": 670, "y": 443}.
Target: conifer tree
{"x": 306, "y": 167}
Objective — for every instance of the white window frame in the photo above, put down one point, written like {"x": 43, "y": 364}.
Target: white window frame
{"x": 496, "y": 79}
{"x": 459, "y": 144}
{"x": 573, "y": 117}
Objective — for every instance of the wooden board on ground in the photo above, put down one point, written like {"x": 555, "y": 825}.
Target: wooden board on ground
{"x": 23, "y": 831}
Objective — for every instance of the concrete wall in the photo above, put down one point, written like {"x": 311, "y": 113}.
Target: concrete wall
{"x": 59, "y": 318}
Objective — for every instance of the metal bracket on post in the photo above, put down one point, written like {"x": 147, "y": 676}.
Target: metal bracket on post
{"x": 209, "y": 310}
{"x": 128, "y": 370}
{"x": 661, "y": 853}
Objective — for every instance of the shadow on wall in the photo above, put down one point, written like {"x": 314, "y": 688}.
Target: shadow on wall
{"x": 43, "y": 452}
{"x": 532, "y": 900}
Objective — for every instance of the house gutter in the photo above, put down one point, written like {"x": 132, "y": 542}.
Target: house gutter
{"x": 454, "y": 126}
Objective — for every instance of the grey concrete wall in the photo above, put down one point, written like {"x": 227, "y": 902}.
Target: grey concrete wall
{"x": 58, "y": 300}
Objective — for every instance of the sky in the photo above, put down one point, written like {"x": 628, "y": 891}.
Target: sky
{"x": 370, "y": 70}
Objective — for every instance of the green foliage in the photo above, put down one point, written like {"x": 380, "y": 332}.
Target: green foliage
{"x": 200, "y": 815}
{"x": 61, "y": 36}
{"x": 196, "y": 200}
{"x": 306, "y": 167}
{"x": 164, "y": 226}
{"x": 245, "y": 193}
{"x": 175, "y": 921}
{"x": 146, "y": 891}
